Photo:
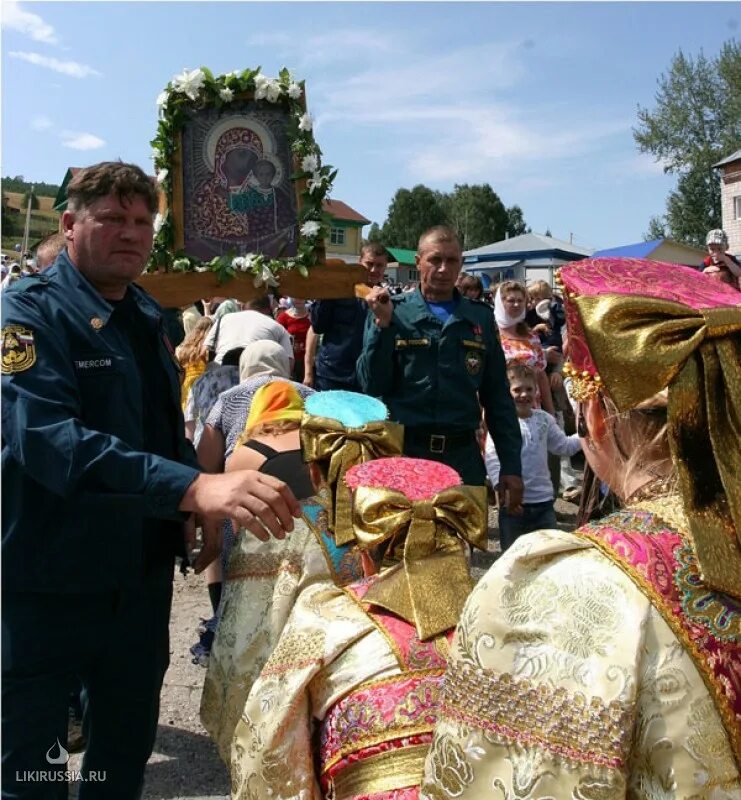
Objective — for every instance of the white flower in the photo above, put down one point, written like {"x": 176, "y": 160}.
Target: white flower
{"x": 232, "y": 74}
{"x": 189, "y": 82}
{"x": 226, "y": 94}
{"x": 238, "y": 263}
{"x": 310, "y": 229}
{"x": 310, "y": 163}
{"x": 316, "y": 181}
{"x": 294, "y": 91}
{"x": 265, "y": 89}
{"x": 162, "y": 176}
{"x": 155, "y": 154}
{"x": 305, "y": 123}
{"x": 159, "y": 221}
{"x": 202, "y": 268}
{"x": 180, "y": 264}
{"x": 265, "y": 276}
{"x": 162, "y": 99}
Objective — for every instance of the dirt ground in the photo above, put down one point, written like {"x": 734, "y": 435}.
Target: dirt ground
{"x": 185, "y": 764}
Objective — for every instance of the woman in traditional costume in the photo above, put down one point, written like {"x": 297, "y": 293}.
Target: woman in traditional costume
{"x": 346, "y": 704}
{"x": 338, "y": 430}
{"x": 606, "y": 663}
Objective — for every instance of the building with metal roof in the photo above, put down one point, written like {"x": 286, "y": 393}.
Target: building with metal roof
{"x": 658, "y": 250}
{"x": 526, "y": 258}
{"x": 730, "y": 199}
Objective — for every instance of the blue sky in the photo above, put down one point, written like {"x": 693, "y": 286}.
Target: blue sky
{"x": 536, "y": 99}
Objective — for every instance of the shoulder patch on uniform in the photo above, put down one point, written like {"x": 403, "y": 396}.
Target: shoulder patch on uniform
{"x": 18, "y": 349}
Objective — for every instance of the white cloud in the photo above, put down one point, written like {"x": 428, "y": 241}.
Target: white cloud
{"x": 71, "y": 68}
{"x": 461, "y": 116}
{"x": 30, "y": 24}
{"x": 325, "y": 48}
{"x": 41, "y": 123}
{"x": 81, "y": 141}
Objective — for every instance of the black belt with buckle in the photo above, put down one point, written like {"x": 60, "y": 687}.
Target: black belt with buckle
{"x": 439, "y": 442}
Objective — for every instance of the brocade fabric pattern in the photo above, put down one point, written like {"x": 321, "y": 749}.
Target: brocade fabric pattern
{"x": 344, "y": 707}
{"x": 564, "y": 681}
{"x": 262, "y": 582}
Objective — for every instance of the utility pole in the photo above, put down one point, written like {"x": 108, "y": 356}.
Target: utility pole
{"x": 27, "y": 227}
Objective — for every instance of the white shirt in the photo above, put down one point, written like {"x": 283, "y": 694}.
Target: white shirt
{"x": 245, "y": 327}
{"x": 540, "y": 436}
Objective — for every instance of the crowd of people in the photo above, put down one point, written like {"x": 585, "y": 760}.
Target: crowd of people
{"x": 327, "y": 465}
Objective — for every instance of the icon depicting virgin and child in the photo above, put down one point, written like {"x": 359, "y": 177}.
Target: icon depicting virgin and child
{"x": 245, "y": 204}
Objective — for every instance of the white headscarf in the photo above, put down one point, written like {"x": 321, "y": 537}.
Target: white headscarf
{"x": 265, "y": 357}
{"x": 500, "y": 314}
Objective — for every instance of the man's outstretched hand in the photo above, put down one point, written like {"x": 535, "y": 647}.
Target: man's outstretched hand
{"x": 261, "y": 503}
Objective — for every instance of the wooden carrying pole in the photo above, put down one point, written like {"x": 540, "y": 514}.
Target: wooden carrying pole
{"x": 332, "y": 280}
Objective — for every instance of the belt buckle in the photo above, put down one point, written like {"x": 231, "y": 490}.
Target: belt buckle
{"x": 437, "y": 443}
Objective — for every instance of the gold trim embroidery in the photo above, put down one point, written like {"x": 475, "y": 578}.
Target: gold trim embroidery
{"x": 581, "y": 729}
{"x": 384, "y": 772}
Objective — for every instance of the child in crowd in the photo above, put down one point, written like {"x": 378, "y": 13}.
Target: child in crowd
{"x": 540, "y": 436}
{"x": 720, "y": 264}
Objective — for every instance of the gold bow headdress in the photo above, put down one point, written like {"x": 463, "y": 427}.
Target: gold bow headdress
{"x": 637, "y": 327}
{"x": 431, "y": 584}
{"x": 325, "y": 439}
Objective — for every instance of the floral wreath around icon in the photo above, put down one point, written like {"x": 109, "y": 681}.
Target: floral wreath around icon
{"x": 193, "y": 89}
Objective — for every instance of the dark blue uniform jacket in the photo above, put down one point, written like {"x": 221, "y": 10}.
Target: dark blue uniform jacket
{"x": 76, "y": 486}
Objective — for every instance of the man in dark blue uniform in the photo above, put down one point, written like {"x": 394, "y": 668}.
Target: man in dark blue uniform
{"x": 434, "y": 358}
{"x": 342, "y": 322}
{"x": 98, "y": 479}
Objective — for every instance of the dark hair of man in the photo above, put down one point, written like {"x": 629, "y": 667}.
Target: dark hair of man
{"x": 439, "y": 233}
{"x": 48, "y": 249}
{"x": 126, "y": 181}
{"x": 374, "y": 249}
{"x": 260, "y": 304}
{"x": 472, "y": 282}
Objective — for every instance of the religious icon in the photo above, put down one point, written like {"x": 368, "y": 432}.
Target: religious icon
{"x": 238, "y": 196}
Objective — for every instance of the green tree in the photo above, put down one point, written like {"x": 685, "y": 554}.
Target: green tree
{"x": 516, "y": 222}
{"x": 656, "y": 229}
{"x": 695, "y": 123}
{"x": 374, "y": 234}
{"x": 411, "y": 212}
{"x": 477, "y": 213}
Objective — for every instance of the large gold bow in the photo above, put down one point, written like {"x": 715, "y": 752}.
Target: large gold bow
{"x": 324, "y": 439}
{"x": 641, "y": 345}
{"x": 430, "y": 586}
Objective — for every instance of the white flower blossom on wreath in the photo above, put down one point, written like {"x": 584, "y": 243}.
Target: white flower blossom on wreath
{"x": 316, "y": 181}
{"x": 305, "y": 122}
{"x": 294, "y": 91}
{"x": 310, "y": 163}
{"x": 227, "y": 95}
{"x": 159, "y": 221}
{"x": 265, "y": 276}
{"x": 189, "y": 82}
{"x": 162, "y": 176}
{"x": 156, "y": 153}
{"x": 310, "y": 229}
{"x": 266, "y": 89}
{"x": 180, "y": 264}
{"x": 162, "y": 99}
